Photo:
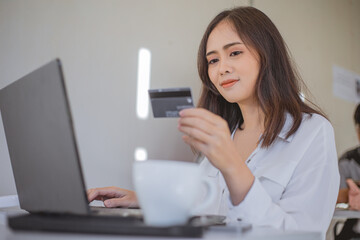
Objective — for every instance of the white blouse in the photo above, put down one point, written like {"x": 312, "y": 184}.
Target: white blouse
{"x": 296, "y": 180}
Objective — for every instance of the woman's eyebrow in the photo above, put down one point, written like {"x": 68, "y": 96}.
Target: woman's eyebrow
{"x": 225, "y": 47}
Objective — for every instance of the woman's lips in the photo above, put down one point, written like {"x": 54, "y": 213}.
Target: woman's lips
{"x": 229, "y": 83}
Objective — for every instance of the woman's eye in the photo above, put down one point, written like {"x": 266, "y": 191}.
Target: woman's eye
{"x": 236, "y": 53}
{"x": 212, "y": 61}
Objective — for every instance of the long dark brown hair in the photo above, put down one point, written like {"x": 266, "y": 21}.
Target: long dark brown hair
{"x": 278, "y": 86}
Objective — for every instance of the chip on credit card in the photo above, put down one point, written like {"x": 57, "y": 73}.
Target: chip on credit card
{"x": 168, "y": 102}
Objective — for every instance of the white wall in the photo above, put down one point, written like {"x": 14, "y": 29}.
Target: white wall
{"x": 98, "y": 42}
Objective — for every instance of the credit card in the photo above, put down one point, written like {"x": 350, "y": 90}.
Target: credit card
{"x": 168, "y": 102}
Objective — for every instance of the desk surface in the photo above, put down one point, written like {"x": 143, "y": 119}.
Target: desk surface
{"x": 221, "y": 232}
{"x": 345, "y": 214}
{"x": 212, "y": 233}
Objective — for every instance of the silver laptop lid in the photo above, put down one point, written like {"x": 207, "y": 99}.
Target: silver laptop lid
{"x": 41, "y": 142}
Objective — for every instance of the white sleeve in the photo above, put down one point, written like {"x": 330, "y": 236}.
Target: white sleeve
{"x": 308, "y": 200}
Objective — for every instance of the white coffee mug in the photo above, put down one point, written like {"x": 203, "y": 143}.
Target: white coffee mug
{"x": 168, "y": 191}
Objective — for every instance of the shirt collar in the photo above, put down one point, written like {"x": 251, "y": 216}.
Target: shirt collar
{"x": 287, "y": 126}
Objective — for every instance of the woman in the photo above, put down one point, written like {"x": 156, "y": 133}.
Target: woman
{"x": 272, "y": 156}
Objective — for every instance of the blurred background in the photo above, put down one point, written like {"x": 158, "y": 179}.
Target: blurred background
{"x": 99, "y": 43}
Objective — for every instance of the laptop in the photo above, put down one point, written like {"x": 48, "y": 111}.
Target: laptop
{"x": 46, "y": 164}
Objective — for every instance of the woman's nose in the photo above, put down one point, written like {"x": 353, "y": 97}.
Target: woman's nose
{"x": 225, "y": 67}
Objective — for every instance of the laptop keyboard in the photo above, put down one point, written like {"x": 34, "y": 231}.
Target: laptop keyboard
{"x": 121, "y": 212}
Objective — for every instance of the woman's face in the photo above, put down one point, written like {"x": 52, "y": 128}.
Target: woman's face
{"x": 232, "y": 67}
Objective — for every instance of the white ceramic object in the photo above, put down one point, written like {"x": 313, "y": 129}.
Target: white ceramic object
{"x": 168, "y": 191}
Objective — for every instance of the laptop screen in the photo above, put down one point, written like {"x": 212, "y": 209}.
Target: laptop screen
{"x": 41, "y": 142}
